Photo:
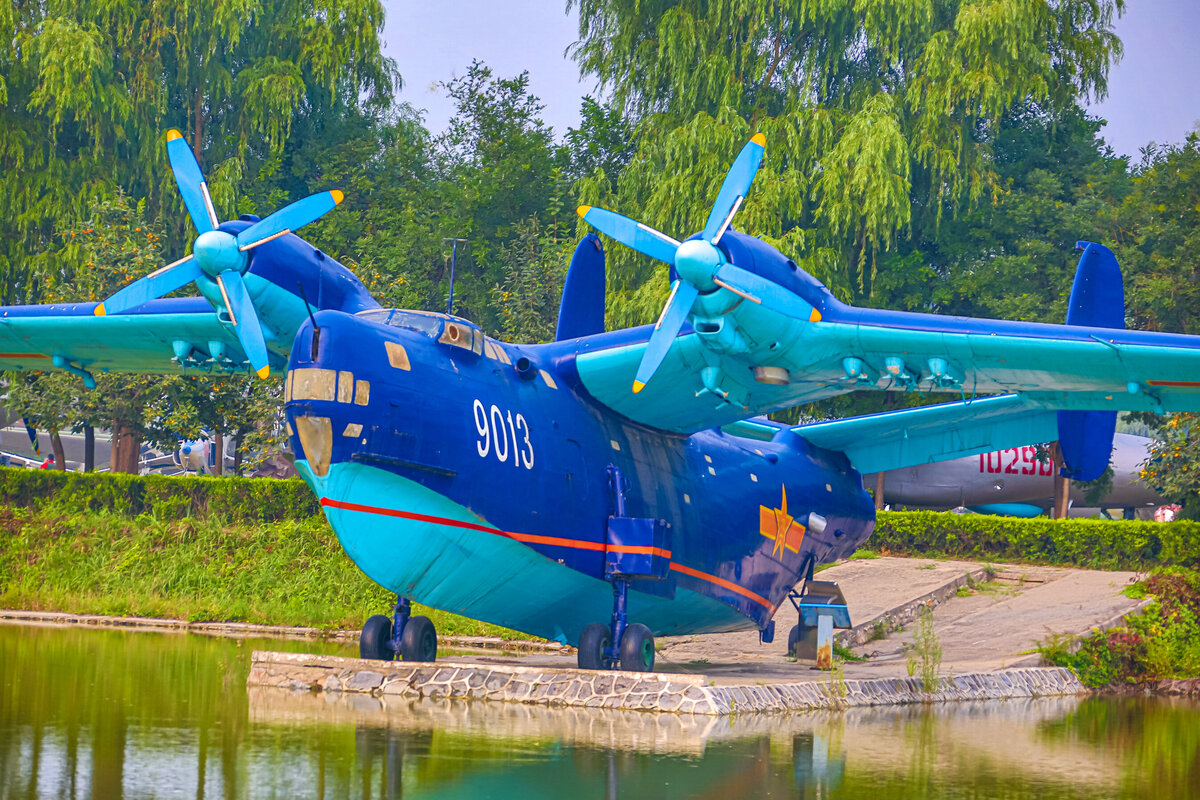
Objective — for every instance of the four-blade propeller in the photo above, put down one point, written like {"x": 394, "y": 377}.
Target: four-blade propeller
{"x": 218, "y": 258}
{"x": 699, "y": 263}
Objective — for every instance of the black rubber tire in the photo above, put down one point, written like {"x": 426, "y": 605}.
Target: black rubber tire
{"x": 376, "y": 639}
{"x": 595, "y": 639}
{"x": 793, "y": 640}
{"x": 637, "y": 649}
{"x": 419, "y": 640}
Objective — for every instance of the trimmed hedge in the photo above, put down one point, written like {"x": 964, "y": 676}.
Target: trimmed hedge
{"x": 1093, "y": 543}
{"x": 167, "y": 498}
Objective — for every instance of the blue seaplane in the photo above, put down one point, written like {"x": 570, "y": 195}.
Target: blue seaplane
{"x": 609, "y": 486}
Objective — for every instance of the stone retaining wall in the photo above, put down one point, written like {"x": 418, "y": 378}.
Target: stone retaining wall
{"x": 687, "y": 694}
{"x": 904, "y": 615}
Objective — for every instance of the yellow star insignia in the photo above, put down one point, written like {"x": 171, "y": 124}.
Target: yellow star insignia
{"x": 777, "y": 524}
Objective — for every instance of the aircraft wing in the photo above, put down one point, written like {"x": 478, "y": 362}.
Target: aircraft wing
{"x": 913, "y": 436}
{"x": 160, "y": 337}
{"x": 1058, "y": 367}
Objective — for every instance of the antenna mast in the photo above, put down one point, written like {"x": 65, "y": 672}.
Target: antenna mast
{"x": 453, "y": 258}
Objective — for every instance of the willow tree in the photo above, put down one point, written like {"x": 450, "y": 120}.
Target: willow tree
{"x": 877, "y": 113}
{"x": 88, "y": 87}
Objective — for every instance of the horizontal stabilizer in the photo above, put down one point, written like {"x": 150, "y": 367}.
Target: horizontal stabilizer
{"x": 896, "y": 439}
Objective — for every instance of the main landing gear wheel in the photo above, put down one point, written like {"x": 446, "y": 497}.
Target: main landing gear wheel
{"x": 594, "y": 640}
{"x": 376, "y": 639}
{"x": 637, "y": 649}
{"x": 419, "y": 640}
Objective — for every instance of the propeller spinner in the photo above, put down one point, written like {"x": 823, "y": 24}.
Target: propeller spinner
{"x": 699, "y": 263}
{"x": 218, "y": 258}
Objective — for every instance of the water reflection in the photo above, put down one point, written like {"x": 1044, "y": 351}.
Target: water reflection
{"x": 107, "y": 714}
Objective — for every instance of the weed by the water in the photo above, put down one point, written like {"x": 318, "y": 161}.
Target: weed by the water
{"x": 837, "y": 678}
{"x": 840, "y": 651}
{"x": 924, "y": 656}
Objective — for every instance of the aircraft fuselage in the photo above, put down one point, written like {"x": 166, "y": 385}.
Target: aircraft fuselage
{"x": 513, "y": 469}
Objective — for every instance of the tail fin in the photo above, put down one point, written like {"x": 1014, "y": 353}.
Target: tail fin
{"x": 1097, "y": 301}
{"x": 582, "y": 310}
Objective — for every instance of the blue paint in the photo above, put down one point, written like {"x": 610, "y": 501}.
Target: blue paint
{"x": 1023, "y": 510}
{"x": 1097, "y": 299}
{"x": 419, "y": 450}
{"x": 581, "y": 312}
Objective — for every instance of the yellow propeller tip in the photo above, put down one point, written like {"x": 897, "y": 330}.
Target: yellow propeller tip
{"x": 337, "y": 196}
{"x": 263, "y": 372}
{"x": 759, "y": 140}
{"x": 638, "y": 386}
{"x": 582, "y": 210}
{"x": 815, "y": 316}
{"x": 173, "y": 134}
{"x": 99, "y": 310}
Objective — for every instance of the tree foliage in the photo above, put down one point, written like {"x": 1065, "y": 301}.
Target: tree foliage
{"x": 88, "y": 87}
{"x": 877, "y": 114}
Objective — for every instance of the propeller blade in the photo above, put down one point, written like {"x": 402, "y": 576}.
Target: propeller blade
{"x": 675, "y": 313}
{"x": 768, "y": 294}
{"x": 191, "y": 183}
{"x": 733, "y": 190}
{"x": 153, "y": 286}
{"x": 288, "y": 219}
{"x": 630, "y": 233}
{"x": 245, "y": 320}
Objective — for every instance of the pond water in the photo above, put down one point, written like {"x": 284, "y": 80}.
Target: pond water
{"x": 120, "y": 714}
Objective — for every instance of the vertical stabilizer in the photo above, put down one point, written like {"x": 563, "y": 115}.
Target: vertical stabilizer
{"x": 1097, "y": 301}
{"x": 582, "y": 310}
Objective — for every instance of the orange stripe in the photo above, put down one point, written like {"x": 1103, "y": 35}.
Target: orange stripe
{"x": 526, "y": 538}
{"x": 730, "y": 585}
{"x": 23, "y": 355}
{"x": 1192, "y": 384}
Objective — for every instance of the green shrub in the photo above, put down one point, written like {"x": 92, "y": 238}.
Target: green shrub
{"x": 1163, "y": 642}
{"x": 1094, "y": 543}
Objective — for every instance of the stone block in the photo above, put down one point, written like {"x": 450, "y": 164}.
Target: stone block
{"x": 365, "y": 681}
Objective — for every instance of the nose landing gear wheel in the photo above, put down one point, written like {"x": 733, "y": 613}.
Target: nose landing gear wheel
{"x": 594, "y": 640}
{"x": 419, "y": 640}
{"x": 637, "y": 649}
{"x": 376, "y": 639}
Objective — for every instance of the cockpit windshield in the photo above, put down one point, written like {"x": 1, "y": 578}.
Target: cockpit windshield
{"x": 447, "y": 329}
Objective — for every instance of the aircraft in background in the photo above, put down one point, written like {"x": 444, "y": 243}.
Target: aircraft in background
{"x": 610, "y": 486}
{"x": 1016, "y": 482}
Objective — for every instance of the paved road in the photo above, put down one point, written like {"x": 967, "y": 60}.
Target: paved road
{"x": 993, "y": 626}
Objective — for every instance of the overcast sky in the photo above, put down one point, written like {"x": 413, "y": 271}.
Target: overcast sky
{"x": 1154, "y": 93}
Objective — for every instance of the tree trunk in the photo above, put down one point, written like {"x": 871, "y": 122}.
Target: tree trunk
{"x": 125, "y": 449}
{"x": 1063, "y": 502}
{"x": 56, "y": 447}
{"x": 237, "y": 452}
{"x": 1062, "y": 486}
{"x": 89, "y": 448}
{"x": 879, "y": 476}
{"x": 218, "y": 454}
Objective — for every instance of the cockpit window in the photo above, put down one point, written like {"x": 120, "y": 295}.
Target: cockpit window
{"x": 446, "y": 329}
{"x": 424, "y": 322}
{"x": 466, "y": 336}
{"x": 313, "y": 384}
